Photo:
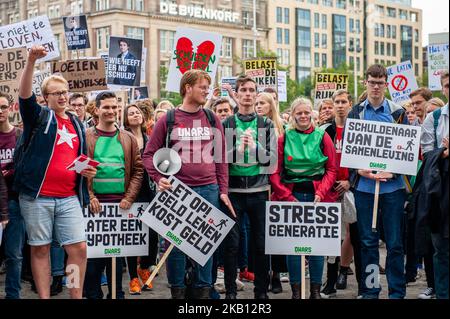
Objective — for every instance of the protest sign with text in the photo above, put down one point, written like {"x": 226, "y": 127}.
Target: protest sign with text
{"x": 327, "y": 84}
{"x": 12, "y": 63}
{"x": 115, "y": 232}
{"x": 227, "y": 80}
{"x": 282, "y": 86}
{"x": 124, "y": 61}
{"x": 294, "y": 228}
{"x": 76, "y": 32}
{"x": 188, "y": 221}
{"x": 38, "y": 78}
{"x": 36, "y": 31}
{"x": 401, "y": 81}
{"x": 263, "y": 71}
{"x": 437, "y": 64}
{"x": 379, "y": 146}
{"x": 193, "y": 49}
{"x": 83, "y": 75}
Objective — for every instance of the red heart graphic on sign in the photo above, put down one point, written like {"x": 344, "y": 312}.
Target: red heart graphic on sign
{"x": 204, "y": 53}
{"x": 184, "y": 53}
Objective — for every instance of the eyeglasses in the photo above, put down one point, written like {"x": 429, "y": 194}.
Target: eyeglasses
{"x": 77, "y": 105}
{"x": 376, "y": 83}
{"x": 4, "y": 107}
{"x": 58, "y": 94}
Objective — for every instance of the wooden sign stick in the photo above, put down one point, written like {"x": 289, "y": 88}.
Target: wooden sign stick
{"x": 375, "y": 207}
{"x": 113, "y": 278}
{"x": 155, "y": 272}
{"x": 302, "y": 279}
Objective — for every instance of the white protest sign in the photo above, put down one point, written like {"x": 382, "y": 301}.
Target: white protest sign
{"x": 379, "y": 146}
{"x": 282, "y": 86}
{"x": 188, "y": 221}
{"x": 193, "y": 49}
{"x": 144, "y": 65}
{"x": 38, "y": 78}
{"x": 36, "y": 31}
{"x": 401, "y": 81}
{"x": 294, "y": 228}
{"x": 115, "y": 232}
{"x": 437, "y": 63}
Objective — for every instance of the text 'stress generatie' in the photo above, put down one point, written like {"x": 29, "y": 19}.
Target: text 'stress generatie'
{"x": 188, "y": 221}
{"x": 303, "y": 228}
{"x": 115, "y": 232}
{"x": 378, "y": 146}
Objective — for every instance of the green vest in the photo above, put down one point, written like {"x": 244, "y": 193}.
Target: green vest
{"x": 303, "y": 156}
{"x": 247, "y": 164}
{"x": 110, "y": 178}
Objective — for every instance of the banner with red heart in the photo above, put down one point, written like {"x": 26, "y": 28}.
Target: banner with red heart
{"x": 193, "y": 49}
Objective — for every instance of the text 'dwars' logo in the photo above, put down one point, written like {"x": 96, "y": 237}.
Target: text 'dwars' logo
{"x": 187, "y": 59}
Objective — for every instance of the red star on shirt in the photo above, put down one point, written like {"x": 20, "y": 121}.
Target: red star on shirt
{"x": 290, "y": 158}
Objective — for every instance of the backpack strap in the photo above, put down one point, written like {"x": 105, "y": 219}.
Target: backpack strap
{"x": 170, "y": 119}
{"x": 210, "y": 116}
{"x": 436, "y": 116}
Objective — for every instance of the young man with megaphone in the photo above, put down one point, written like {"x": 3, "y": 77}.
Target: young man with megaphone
{"x": 197, "y": 158}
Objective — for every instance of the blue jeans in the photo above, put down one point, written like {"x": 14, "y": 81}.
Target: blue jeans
{"x": 315, "y": 263}
{"x": 391, "y": 207}
{"x": 57, "y": 259}
{"x": 440, "y": 263}
{"x": 92, "y": 281}
{"x": 14, "y": 242}
{"x": 176, "y": 262}
{"x": 244, "y": 221}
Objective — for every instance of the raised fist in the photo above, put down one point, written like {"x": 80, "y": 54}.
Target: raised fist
{"x": 36, "y": 52}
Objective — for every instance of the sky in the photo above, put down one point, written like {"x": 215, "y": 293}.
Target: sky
{"x": 435, "y": 16}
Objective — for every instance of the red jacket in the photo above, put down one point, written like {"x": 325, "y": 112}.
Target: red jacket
{"x": 324, "y": 188}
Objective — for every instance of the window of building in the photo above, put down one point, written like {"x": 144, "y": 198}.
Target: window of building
{"x": 416, "y": 69}
{"x": 316, "y": 60}
{"x": 394, "y": 49}
{"x": 226, "y": 51}
{"x": 380, "y": 9}
{"x": 279, "y": 15}
{"x": 382, "y": 48}
{"x": 403, "y": 14}
{"x": 351, "y": 25}
{"x": 316, "y": 20}
{"x": 406, "y": 43}
{"x": 54, "y": 12}
{"x": 416, "y": 35}
{"x": 377, "y": 47}
{"x": 324, "y": 41}
{"x": 414, "y": 17}
{"x": 303, "y": 18}
{"x": 358, "y": 63}
{"x": 286, "y": 15}
{"x": 286, "y": 57}
{"x": 247, "y": 48}
{"x": 76, "y": 7}
{"x": 324, "y": 21}
{"x": 247, "y": 17}
{"x": 279, "y": 35}
{"x": 327, "y": 3}
{"x": 102, "y": 36}
{"x": 339, "y": 40}
{"x": 416, "y": 53}
{"x": 101, "y": 5}
{"x": 286, "y": 36}
{"x": 388, "y": 49}
{"x": 135, "y": 5}
{"x": 316, "y": 40}
{"x": 324, "y": 60}
{"x": 391, "y": 12}
{"x": 135, "y": 33}
{"x": 358, "y": 26}
{"x": 341, "y": 4}
{"x": 166, "y": 39}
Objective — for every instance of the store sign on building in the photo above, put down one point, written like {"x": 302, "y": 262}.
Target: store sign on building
{"x": 198, "y": 12}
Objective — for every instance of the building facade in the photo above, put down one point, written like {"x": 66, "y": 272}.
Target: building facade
{"x": 306, "y": 35}
{"x": 310, "y": 35}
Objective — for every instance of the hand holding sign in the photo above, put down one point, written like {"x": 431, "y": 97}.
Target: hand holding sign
{"x": 164, "y": 184}
{"x": 85, "y": 166}
{"x": 226, "y": 200}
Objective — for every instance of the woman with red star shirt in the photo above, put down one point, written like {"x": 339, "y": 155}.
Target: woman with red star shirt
{"x": 306, "y": 172}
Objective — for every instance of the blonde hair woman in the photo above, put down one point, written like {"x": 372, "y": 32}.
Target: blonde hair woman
{"x": 306, "y": 172}
{"x": 266, "y": 106}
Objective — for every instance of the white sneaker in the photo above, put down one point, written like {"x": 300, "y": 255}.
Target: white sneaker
{"x": 240, "y": 285}
{"x": 220, "y": 273}
{"x": 220, "y": 286}
{"x": 284, "y": 277}
{"x": 428, "y": 293}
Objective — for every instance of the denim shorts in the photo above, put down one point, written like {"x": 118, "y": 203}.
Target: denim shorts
{"x": 45, "y": 215}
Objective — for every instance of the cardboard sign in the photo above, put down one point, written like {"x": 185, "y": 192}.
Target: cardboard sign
{"x": 187, "y": 220}
{"x": 115, "y": 232}
{"x": 38, "y": 78}
{"x": 124, "y": 61}
{"x": 12, "y": 63}
{"x": 437, "y": 64}
{"x": 36, "y": 31}
{"x": 76, "y": 32}
{"x": 81, "y": 163}
{"x": 401, "y": 81}
{"x": 263, "y": 71}
{"x": 379, "y": 146}
{"x": 227, "y": 80}
{"x": 193, "y": 49}
{"x": 83, "y": 75}
{"x": 327, "y": 84}
{"x": 312, "y": 229}
{"x": 140, "y": 93}
{"x": 282, "y": 86}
